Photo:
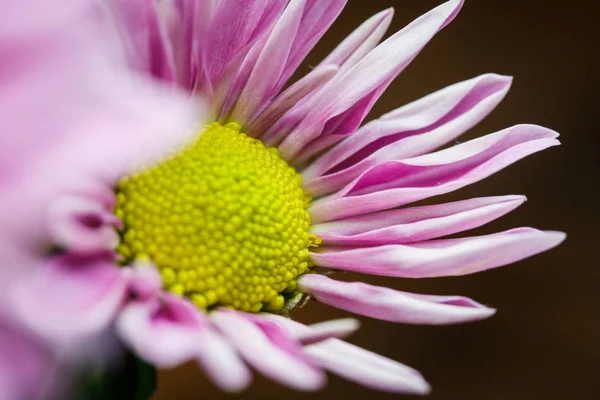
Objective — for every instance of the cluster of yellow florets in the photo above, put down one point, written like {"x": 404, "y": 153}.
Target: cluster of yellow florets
{"x": 225, "y": 220}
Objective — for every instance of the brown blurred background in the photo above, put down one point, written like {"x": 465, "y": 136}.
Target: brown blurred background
{"x": 544, "y": 342}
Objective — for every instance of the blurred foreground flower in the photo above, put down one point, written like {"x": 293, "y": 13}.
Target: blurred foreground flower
{"x": 197, "y": 245}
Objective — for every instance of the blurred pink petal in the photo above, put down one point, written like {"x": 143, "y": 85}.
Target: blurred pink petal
{"x": 392, "y": 305}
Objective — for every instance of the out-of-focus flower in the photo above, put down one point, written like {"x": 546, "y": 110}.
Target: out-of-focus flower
{"x": 71, "y": 113}
{"x": 201, "y": 252}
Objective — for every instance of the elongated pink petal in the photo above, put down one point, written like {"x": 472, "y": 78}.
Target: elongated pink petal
{"x": 270, "y": 63}
{"x": 356, "y": 364}
{"x": 392, "y": 305}
{"x": 395, "y": 183}
{"x": 367, "y": 368}
{"x": 70, "y": 295}
{"x": 146, "y": 36}
{"x": 412, "y": 130}
{"x": 169, "y": 331}
{"x": 309, "y": 334}
{"x": 368, "y": 76}
{"x": 336, "y": 328}
{"x": 304, "y": 87}
{"x": 415, "y": 224}
{"x": 269, "y": 350}
{"x": 441, "y": 257}
{"x": 316, "y": 20}
{"x": 234, "y": 29}
{"x": 346, "y": 55}
{"x": 360, "y": 42}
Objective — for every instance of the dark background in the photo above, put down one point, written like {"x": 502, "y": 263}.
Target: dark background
{"x": 544, "y": 341}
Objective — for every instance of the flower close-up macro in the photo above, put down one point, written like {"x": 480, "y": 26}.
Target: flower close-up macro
{"x": 176, "y": 184}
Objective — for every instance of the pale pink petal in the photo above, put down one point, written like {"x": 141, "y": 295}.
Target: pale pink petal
{"x": 169, "y": 331}
{"x": 300, "y": 89}
{"x": 257, "y": 89}
{"x": 70, "y": 295}
{"x": 146, "y": 37}
{"x": 392, "y": 305}
{"x": 412, "y": 130}
{"x": 316, "y": 20}
{"x": 360, "y": 42}
{"x": 270, "y": 350}
{"x": 346, "y": 55}
{"x": 356, "y": 364}
{"x": 369, "y": 76}
{"x": 441, "y": 257}
{"x": 367, "y": 368}
{"x": 234, "y": 29}
{"x": 415, "y": 224}
{"x": 82, "y": 225}
{"x": 395, "y": 183}
{"x": 26, "y": 366}
{"x": 309, "y": 334}
{"x": 335, "y": 328}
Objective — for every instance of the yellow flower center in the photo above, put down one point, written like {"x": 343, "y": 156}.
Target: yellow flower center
{"x": 224, "y": 220}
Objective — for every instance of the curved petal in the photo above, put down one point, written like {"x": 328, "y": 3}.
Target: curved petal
{"x": 270, "y": 350}
{"x": 411, "y": 130}
{"x": 169, "y": 331}
{"x": 392, "y": 305}
{"x": 303, "y": 88}
{"x": 82, "y": 225}
{"x": 359, "y": 365}
{"x": 367, "y": 368}
{"x": 415, "y": 224}
{"x": 70, "y": 295}
{"x": 360, "y": 42}
{"x": 395, "y": 183}
{"x": 256, "y": 90}
{"x": 370, "y": 75}
{"x": 447, "y": 257}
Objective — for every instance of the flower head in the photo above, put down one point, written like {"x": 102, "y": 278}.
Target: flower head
{"x": 200, "y": 252}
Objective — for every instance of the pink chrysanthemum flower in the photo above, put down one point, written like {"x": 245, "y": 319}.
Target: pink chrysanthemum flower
{"x": 202, "y": 253}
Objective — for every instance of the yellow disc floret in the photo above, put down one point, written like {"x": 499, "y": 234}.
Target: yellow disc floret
{"x": 224, "y": 220}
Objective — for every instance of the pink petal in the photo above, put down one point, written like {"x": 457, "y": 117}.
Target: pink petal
{"x": 369, "y": 75}
{"x": 270, "y": 350}
{"x": 82, "y": 225}
{"x": 26, "y": 366}
{"x": 367, "y": 368}
{"x": 235, "y": 28}
{"x": 146, "y": 37}
{"x": 356, "y": 364}
{"x": 270, "y": 63}
{"x": 412, "y": 130}
{"x": 395, "y": 183}
{"x": 300, "y": 89}
{"x": 170, "y": 331}
{"x": 309, "y": 334}
{"x": 441, "y": 257}
{"x": 70, "y": 295}
{"x": 415, "y": 224}
{"x": 361, "y": 41}
{"x": 392, "y": 305}
{"x": 316, "y": 20}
